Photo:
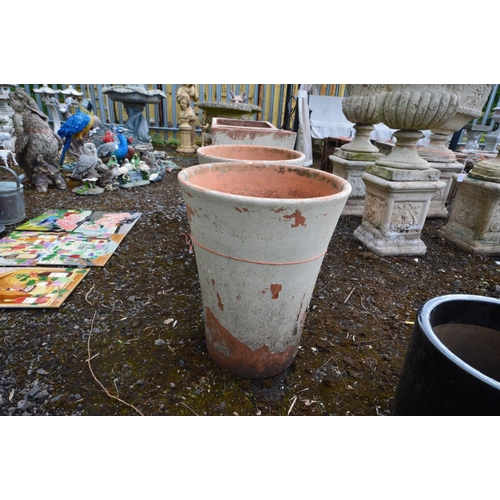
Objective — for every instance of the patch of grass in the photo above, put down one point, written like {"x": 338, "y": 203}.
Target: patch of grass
{"x": 158, "y": 140}
{"x": 173, "y": 142}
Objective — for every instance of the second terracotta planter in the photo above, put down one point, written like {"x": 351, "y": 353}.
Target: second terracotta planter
{"x": 260, "y": 232}
{"x": 248, "y": 153}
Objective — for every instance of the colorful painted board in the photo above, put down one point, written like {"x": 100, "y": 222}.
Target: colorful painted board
{"x": 38, "y": 287}
{"x": 24, "y": 248}
{"x": 29, "y": 248}
{"x": 56, "y": 220}
{"x": 89, "y": 240}
{"x": 106, "y": 223}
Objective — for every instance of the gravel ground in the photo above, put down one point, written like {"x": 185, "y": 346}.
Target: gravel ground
{"x": 130, "y": 339}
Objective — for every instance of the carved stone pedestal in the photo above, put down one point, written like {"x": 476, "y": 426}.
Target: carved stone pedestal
{"x": 346, "y": 166}
{"x": 474, "y": 222}
{"x": 437, "y": 208}
{"x": 350, "y": 162}
{"x": 474, "y": 133}
{"x": 395, "y": 213}
{"x": 185, "y": 137}
{"x": 399, "y": 189}
{"x": 443, "y": 159}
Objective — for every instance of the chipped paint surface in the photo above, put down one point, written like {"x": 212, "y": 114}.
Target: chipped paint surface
{"x": 275, "y": 290}
{"x": 256, "y": 274}
{"x": 258, "y": 133}
{"x": 219, "y": 302}
{"x": 190, "y": 212}
{"x": 300, "y": 220}
{"x": 232, "y": 355}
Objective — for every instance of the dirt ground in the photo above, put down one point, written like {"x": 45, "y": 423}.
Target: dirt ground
{"x": 139, "y": 321}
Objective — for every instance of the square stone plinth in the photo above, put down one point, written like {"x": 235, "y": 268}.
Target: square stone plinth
{"x": 395, "y": 214}
{"x": 352, "y": 172}
{"x": 437, "y": 208}
{"x": 474, "y": 222}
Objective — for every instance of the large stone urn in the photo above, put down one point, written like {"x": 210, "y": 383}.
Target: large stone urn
{"x": 474, "y": 222}
{"x": 400, "y": 186}
{"x": 362, "y": 106}
{"x": 439, "y": 156}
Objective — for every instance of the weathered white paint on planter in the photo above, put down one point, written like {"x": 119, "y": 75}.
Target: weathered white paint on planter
{"x": 260, "y": 232}
{"x": 245, "y": 152}
{"x": 252, "y": 132}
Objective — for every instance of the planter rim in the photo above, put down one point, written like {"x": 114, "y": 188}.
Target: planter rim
{"x": 206, "y": 150}
{"x": 343, "y": 185}
{"x": 423, "y": 320}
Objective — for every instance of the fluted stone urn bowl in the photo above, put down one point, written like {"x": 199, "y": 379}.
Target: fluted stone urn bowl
{"x": 363, "y": 106}
{"x": 472, "y": 99}
{"x": 411, "y": 108}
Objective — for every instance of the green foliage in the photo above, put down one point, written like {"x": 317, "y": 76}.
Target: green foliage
{"x": 173, "y": 142}
{"x": 158, "y": 140}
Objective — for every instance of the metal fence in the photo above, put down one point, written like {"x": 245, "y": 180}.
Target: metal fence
{"x": 275, "y": 100}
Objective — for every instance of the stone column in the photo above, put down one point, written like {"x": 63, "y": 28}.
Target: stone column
{"x": 185, "y": 137}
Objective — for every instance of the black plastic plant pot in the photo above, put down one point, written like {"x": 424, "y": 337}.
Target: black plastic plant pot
{"x": 452, "y": 366}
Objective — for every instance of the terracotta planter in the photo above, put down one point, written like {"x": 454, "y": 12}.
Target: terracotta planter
{"x": 451, "y": 367}
{"x": 256, "y": 133}
{"x": 245, "y": 152}
{"x": 260, "y": 232}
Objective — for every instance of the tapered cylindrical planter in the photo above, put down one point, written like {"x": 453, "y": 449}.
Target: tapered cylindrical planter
{"x": 260, "y": 232}
{"x": 452, "y": 366}
{"x": 249, "y": 152}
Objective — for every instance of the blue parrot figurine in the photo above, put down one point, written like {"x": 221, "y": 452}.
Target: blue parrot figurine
{"x": 120, "y": 149}
{"x": 76, "y": 126}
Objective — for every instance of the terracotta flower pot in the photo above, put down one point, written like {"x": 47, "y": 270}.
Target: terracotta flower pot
{"x": 260, "y": 232}
{"x": 452, "y": 364}
{"x": 246, "y": 152}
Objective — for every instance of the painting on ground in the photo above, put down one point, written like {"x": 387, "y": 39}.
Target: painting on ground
{"x": 56, "y": 220}
{"x": 91, "y": 239}
{"x": 37, "y": 287}
{"x": 32, "y": 248}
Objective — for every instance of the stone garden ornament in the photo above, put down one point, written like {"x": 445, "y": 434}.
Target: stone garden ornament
{"x": 474, "y": 97}
{"x": 186, "y": 94}
{"x": 401, "y": 185}
{"x": 362, "y": 106}
{"x": 474, "y": 222}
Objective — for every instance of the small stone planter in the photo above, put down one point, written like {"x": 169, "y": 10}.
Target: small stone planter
{"x": 260, "y": 232}
{"x": 451, "y": 367}
{"x": 249, "y": 153}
